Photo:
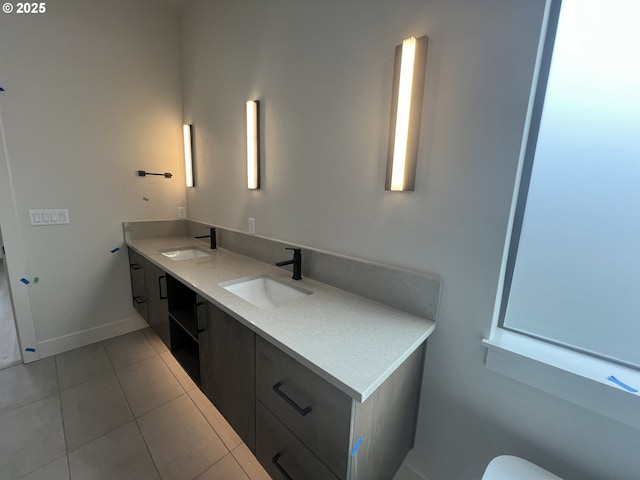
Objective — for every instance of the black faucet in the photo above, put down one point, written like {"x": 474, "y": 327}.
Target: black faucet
{"x": 211, "y": 235}
{"x": 296, "y": 261}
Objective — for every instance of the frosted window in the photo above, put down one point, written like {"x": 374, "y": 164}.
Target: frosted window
{"x": 576, "y": 277}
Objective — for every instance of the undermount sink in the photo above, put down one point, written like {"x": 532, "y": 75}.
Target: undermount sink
{"x": 264, "y": 291}
{"x": 184, "y": 253}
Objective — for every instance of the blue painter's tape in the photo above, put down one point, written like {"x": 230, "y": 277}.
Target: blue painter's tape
{"x": 356, "y": 447}
{"x": 115, "y": 250}
{"x": 623, "y": 385}
{"x": 1, "y": 89}
{"x": 29, "y": 349}
{"x": 25, "y": 281}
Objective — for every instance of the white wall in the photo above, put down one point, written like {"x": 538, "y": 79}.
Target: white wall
{"x": 322, "y": 71}
{"x": 92, "y": 95}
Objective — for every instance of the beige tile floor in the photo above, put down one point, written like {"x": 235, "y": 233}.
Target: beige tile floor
{"x": 120, "y": 409}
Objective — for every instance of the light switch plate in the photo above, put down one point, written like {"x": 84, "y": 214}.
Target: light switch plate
{"x": 252, "y": 225}
{"x": 182, "y": 212}
{"x": 49, "y": 216}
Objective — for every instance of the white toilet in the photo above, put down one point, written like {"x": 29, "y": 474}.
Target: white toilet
{"x": 508, "y": 467}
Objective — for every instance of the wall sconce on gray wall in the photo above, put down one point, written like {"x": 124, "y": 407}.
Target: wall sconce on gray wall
{"x": 406, "y": 113}
{"x": 187, "y": 136}
{"x": 253, "y": 167}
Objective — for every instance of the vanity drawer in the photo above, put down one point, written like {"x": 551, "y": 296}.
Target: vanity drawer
{"x": 314, "y": 410}
{"x": 282, "y": 455}
{"x": 136, "y": 267}
{"x": 139, "y": 299}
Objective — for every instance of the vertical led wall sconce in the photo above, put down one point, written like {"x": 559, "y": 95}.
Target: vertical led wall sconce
{"x": 406, "y": 113}
{"x": 187, "y": 130}
{"x": 253, "y": 168}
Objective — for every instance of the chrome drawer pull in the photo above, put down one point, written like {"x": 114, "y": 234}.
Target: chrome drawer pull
{"x": 139, "y": 299}
{"x": 279, "y": 467}
{"x": 136, "y": 266}
{"x": 302, "y": 411}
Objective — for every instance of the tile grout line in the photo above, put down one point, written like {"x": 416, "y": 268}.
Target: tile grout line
{"x": 240, "y": 464}
{"x": 26, "y": 365}
{"x": 57, "y": 393}
{"x": 64, "y": 431}
{"x": 173, "y": 374}
{"x": 84, "y": 382}
{"x": 213, "y": 464}
{"x": 64, "y": 436}
{"x": 186, "y": 392}
{"x": 135, "y": 362}
{"x": 29, "y": 403}
{"x": 229, "y": 450}
{"x": 99, "y": 377}
{"x": 131, "y": 410}
{"x": 212, "y": 429}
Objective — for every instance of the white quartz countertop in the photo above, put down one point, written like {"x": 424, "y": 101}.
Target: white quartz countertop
{"x": 352, "y": 342}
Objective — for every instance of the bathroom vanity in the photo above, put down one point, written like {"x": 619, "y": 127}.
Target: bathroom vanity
{"x": 320, "y": 384}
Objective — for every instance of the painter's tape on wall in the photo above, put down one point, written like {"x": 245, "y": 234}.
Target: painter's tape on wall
{"x": 356, "y": 447}
{"x": 32, "y": 350}
{"x": 115, "y": 250}
{"x": 1, "y": 89}
{"x": 25, "y": 281}
{"x": 621, "y": 384}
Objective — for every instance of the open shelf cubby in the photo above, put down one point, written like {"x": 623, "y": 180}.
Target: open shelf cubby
{"x": 183, "y": 326}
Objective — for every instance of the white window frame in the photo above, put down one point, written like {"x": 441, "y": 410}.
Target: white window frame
{"x": 571, "y": 375}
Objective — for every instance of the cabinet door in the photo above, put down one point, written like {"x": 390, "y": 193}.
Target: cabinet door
{"x": 136, "y": 268}
{"x": 157, "y": 309}
{"x": 227, "y": 369}
{"x": 138, "y": 290}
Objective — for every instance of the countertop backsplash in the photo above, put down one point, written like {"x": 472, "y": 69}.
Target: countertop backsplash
{"x": 405, "y": 290}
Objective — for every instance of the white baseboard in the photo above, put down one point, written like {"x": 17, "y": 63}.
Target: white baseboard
{"x": 83, "y": 338}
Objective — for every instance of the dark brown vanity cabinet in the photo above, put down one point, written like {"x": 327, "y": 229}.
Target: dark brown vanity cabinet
{"x": 313, "y": 410}
{"x": 299, "y": 425}
{"x": 149, "y": 292}
{"x": 308, "y": 429}
{"x": 157, "y": 308}
{"x": 138, "y": 287}
{"x": 227, "y": 369}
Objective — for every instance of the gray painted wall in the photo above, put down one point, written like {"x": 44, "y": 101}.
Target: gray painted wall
{"x": 322, "y": 71}
{"x": 92, "y": 95}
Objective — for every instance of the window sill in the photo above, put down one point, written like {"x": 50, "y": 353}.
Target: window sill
{"x": 570, "y": 375}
